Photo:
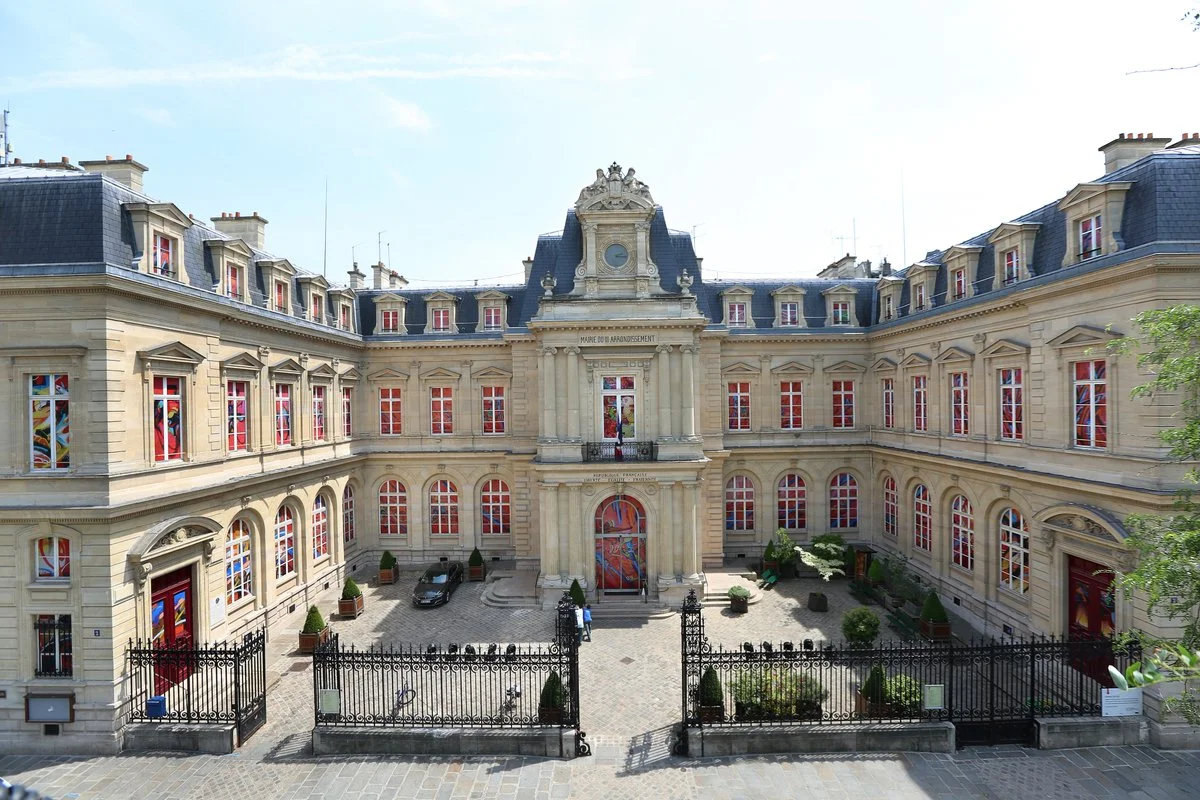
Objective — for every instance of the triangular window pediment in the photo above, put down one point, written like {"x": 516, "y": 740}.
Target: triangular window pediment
{"x": 440, "y": 374}
{"x": 1082, "y": 336}
{"x": 168, "y": 212}
{"x": 351, "y": 375}
{"x": 324, "y": 372}
{"x": 840, "y": 289}
{"x": 288, "y": 366}
{"x": 1007, "y": 229}
{"x": 1086, "y": 191}
{"x": 237, "y": 247}
{"x": 889, "y": 281}
{"x": 440, "y": 297}
{"x": 961, "y": 251}
{"x": 278, "y": 264}
{"x": 492, "y": 294}
{"x": 792, "y": 368}
{"x": 313, "y": 281}
{"x": 919, "y": 270}
{"x": 493, "y": 373}
{"x": 916, "y": 361}
{"x": 954, "y": 354}
{"x": 845, "y": 366}
{"x": 176, "y": 353}
{"x": 884, "y": 365}
{"x": 741, "y": 368}
{"x": 1004, "y": 348}
{"x": 737, "y": 291}
{"x": 390, "y": 300}
{"x": 786, "y": 291}
{"x": 388, "y": 374}
{"x": 243, "y": 362}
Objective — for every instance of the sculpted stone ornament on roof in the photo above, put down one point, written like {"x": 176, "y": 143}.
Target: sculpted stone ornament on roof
{"x": 615, "y": 191}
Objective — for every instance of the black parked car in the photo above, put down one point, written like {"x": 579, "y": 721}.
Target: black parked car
{"x": 437, "y": 583}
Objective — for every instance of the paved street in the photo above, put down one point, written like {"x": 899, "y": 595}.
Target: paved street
{"x": 630, "y": 678}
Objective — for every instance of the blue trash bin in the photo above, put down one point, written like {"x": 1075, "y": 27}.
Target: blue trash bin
{"x": 156, "y": 707}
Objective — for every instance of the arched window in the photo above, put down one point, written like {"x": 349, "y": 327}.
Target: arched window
{"x": 495, "y": 508}
{"x": 393, "y": 509}
{"x": 843, "y": 501}
{"x": 285, "y": 543}
{"x": 348, "y": 531}
{"x": 739, "y": 504}
{"x": 443, "y": 509}
{"x": 891, "y": 506}
{"x": 962, "y": 533}
{"x": 320, "y": 527}
{"x": 1014, "y": 551}
{"x": 793, "y": 514}
{"x": 922, "y": 519}
{"x": 239, "y": 566}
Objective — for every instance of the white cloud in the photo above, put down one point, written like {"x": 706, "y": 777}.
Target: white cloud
{"x": 409, "y": 116}
{"x": 158, "y": 116}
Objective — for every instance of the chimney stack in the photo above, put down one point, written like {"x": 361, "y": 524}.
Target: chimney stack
{"x": 251, "y": 228}
{"x": 1184, "y": 140}
{"x": 127, "y": 173}
{"x": 885, "y": 268}
{"x": 1126, "y": 149}
{"x": 378, "y": 271}
{"x": 528, "y": 264}
{"x": 356, "y": 277}
{"x": 64, "y": 164}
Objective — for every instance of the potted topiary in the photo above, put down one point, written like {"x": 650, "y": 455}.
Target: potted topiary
{"x": 739, "y": 599}
{"x": 710, "y": 697}
{"x": 871, "y": 700}
{"x": 387, "y": 568}
{"x": 818, "y": 601}
{"x": 315, "y": 631}
{"x": 935, "y": 623}
{"x": 351, "y": 602}
{"x": 860, "y": 626}
{"x": 770, "y": 559}
{"x": 552, "y": 702}
{"x": 875, "y": 573}
{"x": 476, "y": 570}
{"x": 578, "y": 599}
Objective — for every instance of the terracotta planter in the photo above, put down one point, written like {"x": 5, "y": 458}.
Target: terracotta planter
{"x": 388, "y": 575}
{"x": 476, "y": 573}
{"x": 311, "y": 641}
{"x": 935, "y": 630}
{"x": 773, "y": 566}
{"x": 739, "y": 605}
{"x": 711, "y": 714}
{"x": 350, "y": 608}
{"x": 866, "y": 708}
{"x": 818, "y": 601}
{"x": 550, "y": 716}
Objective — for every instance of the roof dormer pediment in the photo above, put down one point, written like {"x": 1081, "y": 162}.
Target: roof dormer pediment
{"x": 491, "y": 294}
{"x": 737, "y": 291}
{"x": 920, "y": 270}
{"x": 389, "y": 299}
{"x": 792, "y": 368}
{"x": 242, "y": 362}
{"x": 440, "y": 297}
{"x": 237, "y": 247}
{"x": 840, "y": 289}
{"x": 163, "y": 211}
{"x": 1007, "y": 229}
{"x": 883, "y": 365}
{"x": 787, "y": 290}
{"x": 313, "y": 281}
{"x": 1086, "y": 191}
{"x": 954, "y": 354}
{"x": 278, "y": 265}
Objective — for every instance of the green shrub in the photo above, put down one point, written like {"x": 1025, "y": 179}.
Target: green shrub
{"x": 554, "y": 694}
{"x": 904, "y": 693}
{"x": 826, "y": 554}
{"x": 933, "y": 610}
{"x": 709, "y": 693}
{"x": 769, "y": 554}
{"x": 387, "y": 560}
{"x": 350, "y": 590}
{"x": 875, "y": 571}
{"x": 476, "y": 558}
{"x": 577, "y": 596}
{"x": 785, "y": 548}
{"x": 860, "y": 626}
{"x": 314, "y": 622}
{"x": 874, "y": 687}
{"x": 777, "y": 693}
{"x": 739, "y": 593}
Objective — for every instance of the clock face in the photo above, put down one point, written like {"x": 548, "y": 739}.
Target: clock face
{"x": 615, "y": 255}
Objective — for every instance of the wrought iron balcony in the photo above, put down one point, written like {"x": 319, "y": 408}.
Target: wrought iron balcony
{"x": 626, "y": 451}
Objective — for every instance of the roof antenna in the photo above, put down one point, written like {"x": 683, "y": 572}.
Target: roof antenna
{"x": 325, "y": 245}
{"x": 379, "y": 246}
{"x": 903, "y": 223}
{"x": 5, "y": 147}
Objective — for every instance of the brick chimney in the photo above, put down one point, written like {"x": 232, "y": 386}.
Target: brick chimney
{"x": 396, "y": 280}
{"x": 252, "y": 228}
{"x": 378, "y": 271}
{"x": 885, "y": 268}
{"x": 64, "y": 164}
{"x": 1185, "y": 140}
{"x": 1127, "y": 148}
{"x": 356, "y": 277}
{"x": 127, "y": 173}
{"x": 528, "y": 264}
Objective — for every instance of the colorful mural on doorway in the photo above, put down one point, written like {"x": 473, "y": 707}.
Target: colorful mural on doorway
{"x": 620, "y": 530}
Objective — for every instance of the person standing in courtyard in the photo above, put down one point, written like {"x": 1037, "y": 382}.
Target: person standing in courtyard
{"x": 578, "y": 625}
{"x": 587, "y": 622}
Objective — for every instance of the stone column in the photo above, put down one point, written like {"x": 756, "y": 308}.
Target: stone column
{"x": 573, "y": 393}
{"x": 980, "y": 390}
{"x": 263, "y": 431}
{"x": 687, "y": 388}
{"x": 659, "y": 535}
{"x": 589, "y": 245}
{"x": 664, "y": 391}
{"x": 679, "y": 531}
{"x": 571, "y": 528}
{"x": 302, "y": 421}
{"x": 551, "y": 563}
{"x": 549, "y": 412}
{"x": 412, "y": 402}
{"x": 465, "y": 418}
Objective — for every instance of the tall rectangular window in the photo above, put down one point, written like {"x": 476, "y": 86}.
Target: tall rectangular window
{"x": 347, "y": 412}
{"x": 441, "y": 410}
{"x": 53, "y": 558}
{"x": 53, "y": 645}
{"x": 791, "y": 405}
{"x": 889, "y": 403}
{"x": 281, "y": 297}
{"x": 233, "y": 281}
{"x": 391, "y": 321}
{"x": 237, "y": 394}
{"x": 888, "y": 310}
{"x": 919, "y": 297}
{"x": 920, "y": 403}
{"x": 164, "y": 251}
{"x": 1012, "y": 267}
{"x": 960, "y": 284}
{"x": 283, "y": 414}
{"x": 168, "y": 419}
{"x": 739, "y": 406}
{"x": 737, "y": 315}
{"x": 1089, "y": 237}
{"x": 492, "y": 318}
{"x": 441, "y": 319}
{"x": 390, "y": 413}
{"x": 841, "y": 312}
{"x": 1091, "y": 404}
{"x": 843, "y": 404}
{"x": 960, "y": 404}
{"x": 318, "y": 400}
{"x": 1012, "y": 406}
{"x": 618, "y": 408}
{"x": 493, "y": 410}
{"x": 789, "y": 315}
{"x": 50, "y": 422}
{"x": 317, "y": 313}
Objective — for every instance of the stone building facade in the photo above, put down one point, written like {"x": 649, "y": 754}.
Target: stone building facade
{"x": 202, "y": 436}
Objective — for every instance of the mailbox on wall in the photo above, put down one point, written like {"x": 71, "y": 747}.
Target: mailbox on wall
{"x": 50, "y": 707}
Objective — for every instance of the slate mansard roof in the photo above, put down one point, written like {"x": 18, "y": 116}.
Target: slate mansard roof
{"x": 59, "y": 222}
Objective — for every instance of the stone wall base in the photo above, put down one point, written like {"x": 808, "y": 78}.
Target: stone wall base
{"x": 540, "y": 742}
{"x": 1062, "y": 733}
{"x": 213, "y": 739}
{"x": 25, "y": 742}
{"x": 1174, "y": 735}
{"x": 925, "y": 737}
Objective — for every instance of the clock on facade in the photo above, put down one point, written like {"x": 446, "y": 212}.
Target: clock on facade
{"x": 615, "y": 255}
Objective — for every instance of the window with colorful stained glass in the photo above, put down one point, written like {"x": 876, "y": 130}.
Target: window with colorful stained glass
{"x": 841, "y": 312}
{"x": 393, "y": 509}
{"x": 168, "y": 418}
{"x": 347, "y": 412}
{"x": 237, "y": 395}
{"x": 53, "y": 558}
{"x": 789, "y": 314}
{"x": 391, "y": 416}
{"x": 1012, "y": 405}
{"x": 1091, "y": 404}
{"x": 737, "y": 315}
{"x": 960, "y": 404}
{"x": 50, "y": 422}
{"x": 1089, "y": 237}
{"x": 493, "y": 319}
{"x": 441, "y": 410}
{"x": 239, "y": 563}
{"x": 391, "y": 321}
{"x": 739, "y": 406}
{"x": 441, "y": 319}
{"x": 1012, "y": 267}
{"x": 891, "y": 506}
{"x": 843, "y": 404}
{"x": 1014, "y": 551}
{"x": 889, "y": 402}
{"x": 348, "y": 521}
{"x": 318, "y": 410}
{"x": 233, "y": 281}
{"x": 618, "y": 404}
{"x": 962, "y": 533}
{"x": 164, "y": 248}
{"x": 920, "y": 403}
{"x": 443, "y": 508}
{"x": 790, "y": 501}
{"x": 739, "y": 504}
{"x": 791, "y": 405}
{"x": 922, "y": 519}
{"x": 285, "y": 543}
{"x": 495, "y": 507}
{"x": 320, "y": 527}
{"x": 493, "y": 410}
{"x": 283, "y": 414}
{"x": 843, "y": 501}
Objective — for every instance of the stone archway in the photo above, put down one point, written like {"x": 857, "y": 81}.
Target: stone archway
{"x": 1086, "y": 545}
{"x": 619, "y": 533}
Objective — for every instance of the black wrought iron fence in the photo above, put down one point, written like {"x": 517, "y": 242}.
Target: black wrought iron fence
{"x": 625, "y": 451}
{"x": 984, "y": 683}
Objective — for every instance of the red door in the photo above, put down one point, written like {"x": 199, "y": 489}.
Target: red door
{"x": 620, "y": 530}
{"x": 171, "y": 627}
{"x": 1091, "y": 614}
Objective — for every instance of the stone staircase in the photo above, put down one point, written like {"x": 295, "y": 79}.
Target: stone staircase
{"x": 511, "y": 589}
{"x": 716, "y": 590}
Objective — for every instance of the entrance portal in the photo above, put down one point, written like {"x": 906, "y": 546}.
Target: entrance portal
{"x": 620, "y": 546}
{"x": 1091, "y": 614}
{"x": 171, "y": 625}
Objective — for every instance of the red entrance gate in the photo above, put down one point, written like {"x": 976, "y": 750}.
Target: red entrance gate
{"x": 171, "y": 626}
{"x": 1091, "y": 612}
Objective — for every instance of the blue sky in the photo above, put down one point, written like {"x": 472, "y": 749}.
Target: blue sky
{"x": 463, "y": 130}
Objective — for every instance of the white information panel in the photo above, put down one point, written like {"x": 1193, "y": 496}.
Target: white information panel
{"x": 1121, "y": 702}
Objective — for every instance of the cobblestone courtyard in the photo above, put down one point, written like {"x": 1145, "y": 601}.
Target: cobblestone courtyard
{"x": 630, "y": 699}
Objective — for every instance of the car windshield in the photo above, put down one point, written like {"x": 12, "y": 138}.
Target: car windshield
{"x": 435, "y": 577}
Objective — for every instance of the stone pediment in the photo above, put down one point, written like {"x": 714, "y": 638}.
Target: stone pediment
{"x": 351, "y": 375}
{"x": 388, "y": 374}
{"x": 1006, "y": 348}
{"x": 289, "y": 366}
{"x": 736, "y": 291}
{"x": 1085, "y": 522}
{"x": 164, "y": 211}
{"x": 954, "y": 354}
{"x": 175, "y": 354}
{"x": 277, "y": 264}
{"x": 615, "y": 190}
{"x": 884, "y": 365}
{"x": 440, "y": 374}
{"x": 741, "y": 368}
{"x": 1086, "y": 191}
{"x": 492, "y": 294}
{"x": 493, "y": 373}
{"x": 242, "y": 362}
{"x": 787, "y": 290}
{"x": 314, "y": 280}
{"x": 845, "y": 366}
{"x": 442, "y": 297}
{"x": 792, "y": 368}
{"x": 237, "y": 247}
{"x": 916, "y": 361}
{"x": 1082, "y": 336}
{"x": 172, "y": 536}
{"x": 323, "y": 372}
{"x": 389, "y": 299}
{"x": 840, "y": 289}
{"x": 1007, "y": 229}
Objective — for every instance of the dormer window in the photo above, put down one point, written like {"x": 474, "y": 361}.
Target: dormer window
{"x": 281, "y": 297}
{"x": 492, "y": 318}
{"x": 789, "y": 315}
{"x": 919, "y": 297}
{"x": 391, "y": 321}
{"x": 441, "y": 320}
{"x": 888, "y": 308}
{"x": 315, "y": 303}
{"x": 735, "y": 302}
{"x": 841, "y": 312}
{"x": 163, "y": 260}
{"x": 959, "y": 279}
{"x": 344, "y": 316}
{"x": 441, "y": 313}
{"x": 737, "y": 315}
{"x": 492, "y": 305}
{"x": 1090, "y": 239}
{"x": 1012, "y": 267}
{"x": 922, "y": 276}
{"x": 1012, "y": 243}
{"x": 233, "y": 281}
{"x": 789, "y": 307}
{"x": 158, "y": 231}
{"x": 1093, "y": 213}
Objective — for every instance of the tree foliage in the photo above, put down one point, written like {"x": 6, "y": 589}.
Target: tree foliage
{"x": 826, "y": 555}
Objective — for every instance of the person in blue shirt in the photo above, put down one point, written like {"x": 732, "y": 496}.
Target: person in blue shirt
{"x": 587, "y": 622}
